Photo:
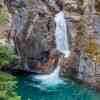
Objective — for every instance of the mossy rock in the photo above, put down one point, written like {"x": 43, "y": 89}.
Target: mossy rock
{"x": 91, "y": 47}
{"x": 30, "y": 1}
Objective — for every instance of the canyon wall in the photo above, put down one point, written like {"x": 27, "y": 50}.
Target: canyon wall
{"x": 33, "y": 28}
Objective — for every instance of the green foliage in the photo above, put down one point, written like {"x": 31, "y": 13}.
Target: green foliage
{"x": 7, "y": 82}
{"x": 7, "y": 87}
{"x": 81, "y": 33}
{"x": 3, "y": 19}
{"x": 6, "y": 77}
{"x": 7, "y": 56}
{"x": 18, "y": 7}
{"x": 6, "y": 95}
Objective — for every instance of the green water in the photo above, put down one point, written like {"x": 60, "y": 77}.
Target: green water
{"x": 31, "y": 90}
{"x": 26, "y": 88}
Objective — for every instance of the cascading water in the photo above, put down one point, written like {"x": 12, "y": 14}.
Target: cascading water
{"x": 61, "y": 34}
{"x": 52, "y": 79}
{"x": 62, "y": 45}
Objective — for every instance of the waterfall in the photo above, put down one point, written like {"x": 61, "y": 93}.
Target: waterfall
{"x": 61, "y": 34}
{"x": 53, "y": 78}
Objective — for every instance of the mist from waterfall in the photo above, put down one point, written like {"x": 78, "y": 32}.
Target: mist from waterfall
{"x": 53, "y": 79}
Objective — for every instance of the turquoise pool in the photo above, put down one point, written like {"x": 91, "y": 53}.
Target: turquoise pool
{"x": 31, "y": 90}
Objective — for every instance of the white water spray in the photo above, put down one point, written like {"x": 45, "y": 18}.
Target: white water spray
{"x": 50, "y": 79}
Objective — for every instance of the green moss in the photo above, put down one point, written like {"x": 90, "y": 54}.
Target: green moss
{"x": 30, "y": 1}
{"x": 3, "y": 19}
{"x": 30, "y": 13}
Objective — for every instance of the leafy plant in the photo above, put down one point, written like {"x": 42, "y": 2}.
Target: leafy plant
{"x": 18, "y": 7}
{"x": 4, "y": 77}
{"x": 6, "y": 95}
{"x": 7, "y": 87}
{"x": 7, "y": 56}
{"x": 3, "y": 19}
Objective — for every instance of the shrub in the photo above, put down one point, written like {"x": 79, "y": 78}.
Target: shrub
{"x": 7, "y": 56}
{"x": 3, "y": 19}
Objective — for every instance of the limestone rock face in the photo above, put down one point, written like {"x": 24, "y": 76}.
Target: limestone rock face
{"x": 32, "y": 27}
{"x": 87, "y": 69}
